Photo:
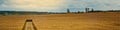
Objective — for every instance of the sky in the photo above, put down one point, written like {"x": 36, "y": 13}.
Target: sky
{"x": 58, "y": 5}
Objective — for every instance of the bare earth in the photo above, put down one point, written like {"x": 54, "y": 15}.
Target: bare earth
{"x": 85, "y": 21}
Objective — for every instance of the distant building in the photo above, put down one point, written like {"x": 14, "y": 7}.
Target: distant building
{"x": 87, "y": 9}
{"x": 68, "y": 11}
{"x": 6, "y": 13}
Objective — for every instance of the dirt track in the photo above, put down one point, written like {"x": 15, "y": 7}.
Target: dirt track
{"x": 86, "y": 21}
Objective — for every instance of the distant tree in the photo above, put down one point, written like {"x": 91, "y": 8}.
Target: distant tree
{"x": 78, "y": 11}
{"x": 92, "y": 10}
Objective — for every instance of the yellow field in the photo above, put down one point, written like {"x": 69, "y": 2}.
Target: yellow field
{"x": 85, "y": 21}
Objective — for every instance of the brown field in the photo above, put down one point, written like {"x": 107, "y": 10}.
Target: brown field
{"x": 84, "y": 21}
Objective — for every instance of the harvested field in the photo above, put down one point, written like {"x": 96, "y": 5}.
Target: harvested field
{"x": 84, "y": 21}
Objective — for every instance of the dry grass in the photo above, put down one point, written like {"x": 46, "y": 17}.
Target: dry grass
{"x": 85, "y": 21}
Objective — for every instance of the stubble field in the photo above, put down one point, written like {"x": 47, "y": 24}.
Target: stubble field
{"x": 84, "y": 21}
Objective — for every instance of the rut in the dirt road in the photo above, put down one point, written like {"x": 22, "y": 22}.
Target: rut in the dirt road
{"x": 29, "y": 25}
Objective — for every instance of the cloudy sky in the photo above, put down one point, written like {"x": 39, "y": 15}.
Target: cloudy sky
{"x": 57, "y": 5}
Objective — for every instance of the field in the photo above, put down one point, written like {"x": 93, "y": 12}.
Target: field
{"x": 83, "y": 21}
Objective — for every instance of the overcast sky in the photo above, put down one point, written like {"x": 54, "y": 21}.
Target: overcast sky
{"x": 57, "y": 5}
